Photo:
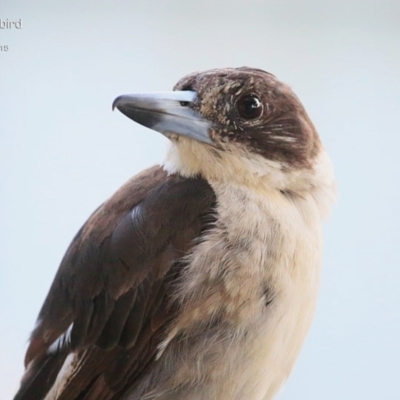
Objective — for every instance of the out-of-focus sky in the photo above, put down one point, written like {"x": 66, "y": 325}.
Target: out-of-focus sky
{"x": 63, "y": 152}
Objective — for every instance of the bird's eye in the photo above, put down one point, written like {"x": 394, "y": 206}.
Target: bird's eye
{"x": 249, "y": 106}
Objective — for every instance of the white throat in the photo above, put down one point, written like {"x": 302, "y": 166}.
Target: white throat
{"x": 190, "y": 158}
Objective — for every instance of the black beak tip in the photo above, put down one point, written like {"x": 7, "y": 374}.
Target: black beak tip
{"x": 115, "y": 103}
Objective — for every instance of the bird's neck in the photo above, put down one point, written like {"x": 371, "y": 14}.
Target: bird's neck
{"x": 264, "y": 177}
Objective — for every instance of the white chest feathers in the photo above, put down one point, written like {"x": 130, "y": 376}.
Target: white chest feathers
{"x": 247, "y": 297}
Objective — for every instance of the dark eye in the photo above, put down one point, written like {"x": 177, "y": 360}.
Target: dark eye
{"x": 249, "y": 106}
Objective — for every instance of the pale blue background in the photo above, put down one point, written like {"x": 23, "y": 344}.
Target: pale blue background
{"x": 62, "y": 152}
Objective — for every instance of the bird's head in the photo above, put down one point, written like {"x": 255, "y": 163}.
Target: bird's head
{"x": 235, "y": 125}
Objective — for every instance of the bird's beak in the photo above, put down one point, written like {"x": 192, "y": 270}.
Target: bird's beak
{"x": 166, "y": 112}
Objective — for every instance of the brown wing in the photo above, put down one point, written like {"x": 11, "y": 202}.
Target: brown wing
{"x": 108, "y": 303}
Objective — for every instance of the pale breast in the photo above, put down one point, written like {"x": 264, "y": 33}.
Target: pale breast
{"x": 247, "y": 297}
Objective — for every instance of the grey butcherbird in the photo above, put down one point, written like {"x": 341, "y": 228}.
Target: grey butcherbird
{"x": 197, "y": 279}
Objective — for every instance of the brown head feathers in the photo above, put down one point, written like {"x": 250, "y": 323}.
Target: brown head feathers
{"x": 252, "y": 108}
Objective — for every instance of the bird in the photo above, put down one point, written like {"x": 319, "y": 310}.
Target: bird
{"x": 198, "y": 278}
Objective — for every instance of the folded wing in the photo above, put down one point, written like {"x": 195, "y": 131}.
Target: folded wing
{"x": 109, "y": 303}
